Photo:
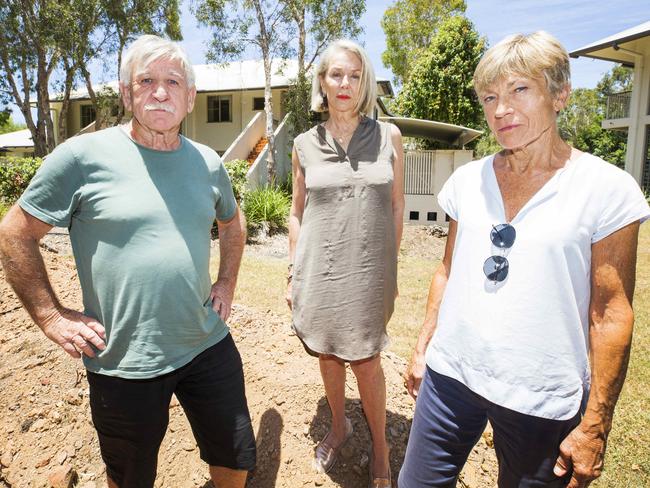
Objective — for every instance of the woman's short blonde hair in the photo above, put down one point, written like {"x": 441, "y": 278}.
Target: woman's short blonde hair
{"x": 368, "y": 84}
{"x": 534, "y": 55}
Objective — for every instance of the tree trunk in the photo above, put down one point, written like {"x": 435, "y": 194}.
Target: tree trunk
{"x": 65, "y": 103}
{"x": 268, "y": 109}
{"x": 23, "y": 102}
{"x": 99, "y": 110}
{"x": 265, "y": 43}
{"x": 302, "y": 35}
{"x": 44, "y": 125}
{"x": 120, "y": 107}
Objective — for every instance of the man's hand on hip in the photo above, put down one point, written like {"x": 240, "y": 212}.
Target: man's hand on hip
{"x": 221, "y": 297}
{"x": 75, "y": 333}
{"x": 582, "y": 453}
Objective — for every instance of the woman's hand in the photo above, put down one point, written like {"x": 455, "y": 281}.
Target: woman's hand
{"x": 288, "y": 296}
{"x": 415, "y": 373}
{"x": 581, "y": 453}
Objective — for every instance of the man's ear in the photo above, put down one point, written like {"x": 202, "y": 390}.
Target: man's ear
{"x": 191, "y": 98}
{"x": 127, "y": 99}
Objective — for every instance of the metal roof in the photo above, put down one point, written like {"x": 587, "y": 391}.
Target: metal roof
{"x": 608, "y": 48}
{"x": 20, "y": 138}
{"x": 238, "y": 75}
{"x": 454, "y": 135}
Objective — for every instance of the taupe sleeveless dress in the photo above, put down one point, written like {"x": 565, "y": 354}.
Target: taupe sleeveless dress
{"x": 345, "y": 265}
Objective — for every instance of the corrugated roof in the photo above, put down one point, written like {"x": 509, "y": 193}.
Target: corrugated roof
{"x": 239, "y": 75}
{"x": 20, "y": 138}
{"x": 606, "y": 48}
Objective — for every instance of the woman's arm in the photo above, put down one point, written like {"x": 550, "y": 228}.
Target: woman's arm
{"x": 295, "y": 214}
{"x": 613, "y": 267}
{"x": 415, "y": 371}
{"x": 398, "y": 184}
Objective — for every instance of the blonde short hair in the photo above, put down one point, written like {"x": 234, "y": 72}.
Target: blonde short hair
{"x": 149, "y": 48}
{"x": 534, "y": 55}
{"x": 368, "y": 84}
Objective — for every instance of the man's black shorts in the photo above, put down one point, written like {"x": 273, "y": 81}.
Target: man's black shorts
{"x": 131, "y": 416}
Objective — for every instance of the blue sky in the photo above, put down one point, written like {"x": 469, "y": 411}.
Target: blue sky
{"x": 575, "y": 23}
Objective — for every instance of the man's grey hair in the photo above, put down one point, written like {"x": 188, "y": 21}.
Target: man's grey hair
{"x": 147, "y": 49}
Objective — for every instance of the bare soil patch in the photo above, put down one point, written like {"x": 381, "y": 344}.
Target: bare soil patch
{"x": 45, "y": 421}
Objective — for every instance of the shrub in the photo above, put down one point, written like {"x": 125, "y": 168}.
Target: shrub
{"x": 4, "y": 208}
{"x": 267, "y": 207}
{"x": 237, "y": 169}
{"x": 15, "y": 175}
{"x": 287, "y": 186}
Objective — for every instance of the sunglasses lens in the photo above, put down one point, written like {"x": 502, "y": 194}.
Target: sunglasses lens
{"x": 496, "y": 268}
{"x": 503, "y": 235}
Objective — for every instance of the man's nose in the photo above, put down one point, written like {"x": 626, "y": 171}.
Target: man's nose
{"x": 160, "y": 92}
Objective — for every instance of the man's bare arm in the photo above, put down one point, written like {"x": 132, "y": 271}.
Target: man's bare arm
{"x": 25, "y": 271}
{"x": 232, "y": 238}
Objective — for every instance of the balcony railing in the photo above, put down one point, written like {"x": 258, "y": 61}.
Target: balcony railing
{"x": 618, "y": 105}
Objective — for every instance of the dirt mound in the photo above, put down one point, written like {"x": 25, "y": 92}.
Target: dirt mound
{"x": 45, "y": 425}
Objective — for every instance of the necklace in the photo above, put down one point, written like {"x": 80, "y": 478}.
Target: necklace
{"x": 343, "y": 136}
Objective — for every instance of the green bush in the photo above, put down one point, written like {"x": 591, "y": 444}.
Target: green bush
{"x": 4, "y": 208}
{"x": 267, "y": 207}
{"x": 287, "y": 186}
{"x": 15, "y": 175}
{"x": 237, "y": 169}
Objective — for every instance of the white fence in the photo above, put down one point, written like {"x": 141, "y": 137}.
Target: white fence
{"x": 424, "y": 174}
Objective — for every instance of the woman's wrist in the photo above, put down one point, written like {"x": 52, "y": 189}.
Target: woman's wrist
{"x": 289, "y": 273}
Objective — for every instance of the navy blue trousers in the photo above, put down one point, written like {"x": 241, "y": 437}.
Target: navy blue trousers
{"x": 450, "y": 418}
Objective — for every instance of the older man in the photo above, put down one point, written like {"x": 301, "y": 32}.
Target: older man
{"x": 139, "y": 201}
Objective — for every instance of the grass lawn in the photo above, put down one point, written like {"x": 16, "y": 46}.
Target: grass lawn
{"x": 262, "y": 285}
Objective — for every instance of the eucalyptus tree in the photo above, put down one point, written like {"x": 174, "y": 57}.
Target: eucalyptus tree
{"x": 258, "y": 25}
{"x": 28, "y": 56}
{"x": 318, "y": 22}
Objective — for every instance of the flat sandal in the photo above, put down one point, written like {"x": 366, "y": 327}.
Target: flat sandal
{"x": 325, "y": 456}
{"x": 378, "y": 482}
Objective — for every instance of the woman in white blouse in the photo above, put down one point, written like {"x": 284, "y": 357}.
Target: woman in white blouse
{"x": 529, "y": 318}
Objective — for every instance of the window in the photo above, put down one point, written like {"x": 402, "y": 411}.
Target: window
{"x": 447, "y": 218}
{"x": 432, "y": 216}
{"x": 258, "y": 103}
{"x": 219, "y": 108}
{"x": 414, "y": 215}
{"x": 88, "y": 115}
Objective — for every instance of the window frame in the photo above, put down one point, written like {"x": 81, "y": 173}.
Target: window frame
{"x": 82, "y": 109}
{"x": 218, "y": 99}
{"x": 263, "y": 103}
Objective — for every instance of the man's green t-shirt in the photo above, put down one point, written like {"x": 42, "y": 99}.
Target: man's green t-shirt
{"x": 139, "y": 223}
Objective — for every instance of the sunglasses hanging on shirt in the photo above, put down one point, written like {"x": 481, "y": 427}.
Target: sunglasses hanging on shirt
{"x": 496, "y": 267}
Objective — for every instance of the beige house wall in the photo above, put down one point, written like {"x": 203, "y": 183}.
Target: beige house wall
{"x": 217, "y": 135}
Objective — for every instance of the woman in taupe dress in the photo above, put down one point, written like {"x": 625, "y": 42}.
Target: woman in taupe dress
{"x": 345, "y": 228}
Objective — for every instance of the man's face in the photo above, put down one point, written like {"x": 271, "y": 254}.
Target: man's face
{"x": 158, "y": 95}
